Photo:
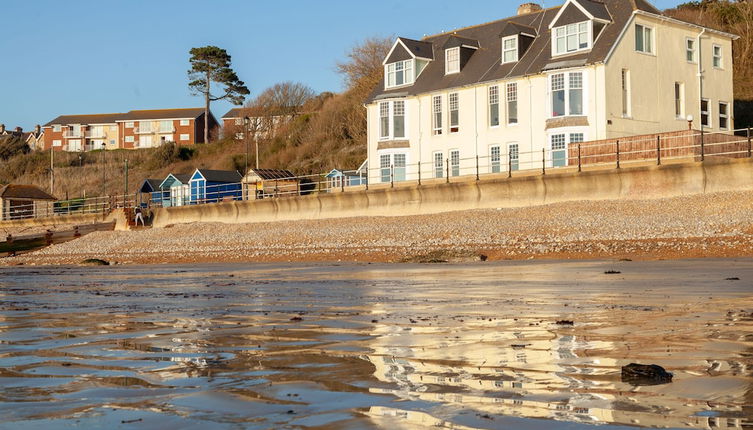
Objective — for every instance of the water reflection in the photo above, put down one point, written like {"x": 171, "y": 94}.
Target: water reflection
{"x": 358, "y": 347}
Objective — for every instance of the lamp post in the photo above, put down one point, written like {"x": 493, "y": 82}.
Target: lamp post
{"x": 104, "y": 172}
{"x": 245, "y": 137}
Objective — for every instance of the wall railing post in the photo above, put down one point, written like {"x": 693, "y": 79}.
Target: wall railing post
{"x": 477, "y": 177}
{"x": 419, "y": 173}
{"x": 579, "y": 162}
{"x": 342, "y": 183}
{"x": 749, "y": 143}
{"x": 703, "y": 149}
{"x": 447, "y": 173}
{"x": 618, "y": 153}
{"x": 509, "y": 166}
{"x": 392, "y": 176}
{"x": 658, "y": 150}
{"x": 543, "y": 161}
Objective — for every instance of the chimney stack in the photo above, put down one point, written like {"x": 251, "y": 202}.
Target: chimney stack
{"x": 19, "y": 130}
{"x": 38, "y": 129}
{"x": 2, "y": 128}
{"x": 527, "y": 8}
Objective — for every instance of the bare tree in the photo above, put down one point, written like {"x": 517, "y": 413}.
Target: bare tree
{"x": 364, "y": 69}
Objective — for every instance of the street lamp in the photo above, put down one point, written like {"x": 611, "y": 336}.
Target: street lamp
{"x": 245, "y": 137}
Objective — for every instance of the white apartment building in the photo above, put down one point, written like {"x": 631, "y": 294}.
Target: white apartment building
{"x": 518, "y": 91}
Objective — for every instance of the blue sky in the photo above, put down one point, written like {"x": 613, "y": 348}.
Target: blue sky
{"x": 100, "y": 56}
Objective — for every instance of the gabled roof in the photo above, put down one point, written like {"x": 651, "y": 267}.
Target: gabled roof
{"x": 104, "y": 118}
{"x": 414, "y": 48}
{"x": 24, "y": 192}
{"x": 486, "y": 64}
{"x": 183, "y": 179}
{"x": 268, "y": 174}
{"x": 150, "y": 185}
{"x": 184, "y": 113}
{"x": 226, "y": 176}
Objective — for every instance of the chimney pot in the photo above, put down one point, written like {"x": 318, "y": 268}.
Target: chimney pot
{"x": 526, "y": 8}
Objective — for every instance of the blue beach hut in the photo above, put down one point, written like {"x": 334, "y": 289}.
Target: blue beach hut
{"x": 175, "y": 190}
{"x": 211, "y": 186}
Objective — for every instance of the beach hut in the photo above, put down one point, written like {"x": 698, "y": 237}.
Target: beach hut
{"x": 24, "y": 201}
{"x": 211, "y": 186}
{"x": 150, "y": 193}
{"x": 263, "y": 183}
{"x": 338, "y": 179}
{"x": 175, "y": 189}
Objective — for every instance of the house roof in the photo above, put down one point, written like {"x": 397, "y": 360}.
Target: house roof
{"x": 105, "y": 118}
{"x": 268, "y": 174}
{"x": 183, "y": 179}
{"x": 24, "y": 192}
{"x": 485, "y": 64}
{"x": 227, "y": 176}
{"x": 233, "y": 113}
{"x": 419, "y": 48}
{"x": 190, "y": 113}
{"x": 512, "y": 28}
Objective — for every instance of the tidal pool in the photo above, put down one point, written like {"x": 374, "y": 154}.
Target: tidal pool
{"x": 473, "y": 346}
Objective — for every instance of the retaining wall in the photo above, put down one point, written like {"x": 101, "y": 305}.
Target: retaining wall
{"x": 57, "y": 220}
{"x": 626, "y": 183}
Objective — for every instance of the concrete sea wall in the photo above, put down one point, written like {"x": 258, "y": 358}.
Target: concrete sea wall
{"x": 645, "y": 182}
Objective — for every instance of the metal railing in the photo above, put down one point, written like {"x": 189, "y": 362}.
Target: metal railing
{"x": 75, "y": 206}
{"x": 658, "y": 149}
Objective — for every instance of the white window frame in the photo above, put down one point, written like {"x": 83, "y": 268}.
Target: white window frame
{"x": 390, "y": 73}
{"x": 129, "y": 139}
{"x": 627, "y": 93}
{"x": 185, "y": 122}
{"x": 57, "y": 128}
{"x": 493, "y": 94}
{"x": 453, "y": 100}
{"x": 437, "y": 163}
{"x": 717, "y": 56}
{"x": 512, "y": 49}
{"x": 452, "y": 60}
{"x": 651, "y": 38}
{"x": 691, "y": 50}
{"x": 567, "y": 82}
{"x": 185, "y": 137}
{"x": 390, "y": 111}
{"x": 724, "y": 117}
{"x": 495, "y": 158}
{"x": 511, "y": 96}
{"x": 57, "y": 142}
{"x": 513, "y": 163}
{"x": 386, "y": 171}
{"x": 436, "y": 115}
{"x": 679, "y": 100}
{"x": 129, "y": 124}
{"x": 564, "y": 32}
{"x": 706, "y": 112}
{"x": 568, "y": 133}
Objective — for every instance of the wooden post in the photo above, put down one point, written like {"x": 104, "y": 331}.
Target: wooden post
{"x": 342, "y": 183}
{"x": 618, "y": 153}
{"x": 658, "y": 150}
{"x": 579, "y": 163}
{"x": 543, "y": 161}
{"x": 749, "y": 148}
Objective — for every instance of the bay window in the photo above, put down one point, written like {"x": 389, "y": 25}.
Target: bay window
{"x": 399, "y": 73}
{"x": 567, "y": 94}
{"x": 571, "y": 38}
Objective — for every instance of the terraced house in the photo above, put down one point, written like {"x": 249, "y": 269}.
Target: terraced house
{"x": 509, "y": 90}
{"x": 132, "y": 130}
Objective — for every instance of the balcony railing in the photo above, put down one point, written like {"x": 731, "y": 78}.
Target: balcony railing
{"x": 139, "y": 130}
{"x": 73, "y": 134}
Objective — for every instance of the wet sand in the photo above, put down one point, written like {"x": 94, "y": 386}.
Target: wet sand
{"x": 360, "y": 346}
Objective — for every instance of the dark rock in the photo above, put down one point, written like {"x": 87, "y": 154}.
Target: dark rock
{"x": 732, "y": 279}
{"x": 95, "y": 262}
{"x": 645, "y": 374}
{"x": 612, "y": 272}
{"x": 296, "y": 319}
{"x": 565, "y": 322}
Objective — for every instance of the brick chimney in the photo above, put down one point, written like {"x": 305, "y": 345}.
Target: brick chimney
{"x": 37, "y": 129}
{"x": 526, "y": 8}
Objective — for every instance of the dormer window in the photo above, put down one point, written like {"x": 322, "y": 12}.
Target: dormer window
{"x": 399, "y": 73}
{"x": 452, "y": 61}
{"x": 572, "y": 38}
{"x": 510, "y": 49}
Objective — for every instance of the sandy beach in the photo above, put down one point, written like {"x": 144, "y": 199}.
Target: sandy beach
{"x": 697, "y": 226}
{"x": 366, "y": 346}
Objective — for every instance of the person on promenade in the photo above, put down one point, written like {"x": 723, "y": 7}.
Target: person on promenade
{"x": 139, "y": 216}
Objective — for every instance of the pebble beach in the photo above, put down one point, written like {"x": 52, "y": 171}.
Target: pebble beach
{"x": 696, "y": 226}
